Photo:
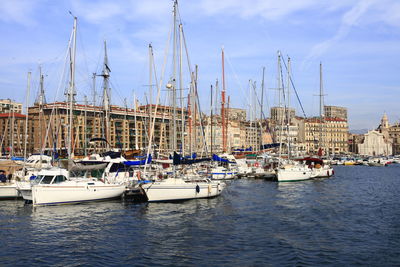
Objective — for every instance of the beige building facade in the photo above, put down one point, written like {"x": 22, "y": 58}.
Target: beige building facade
{"x": 9, "y": 106}
{"x": 335, "y": 112}
{"x": 330, "y": 134}
{"x": 129, "y": 129}
{"x": 12, "y": 134}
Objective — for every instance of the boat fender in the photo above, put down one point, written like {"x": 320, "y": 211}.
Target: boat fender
{"x": 209, "y": 189}
{"x": 333, "y": 172}
{"x": 138, "y": 175}
{"x": 327, "y": 172}
{"x": 197, "y": 188}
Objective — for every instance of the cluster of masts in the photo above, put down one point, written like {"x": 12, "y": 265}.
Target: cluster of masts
{"x": 175, "y": 83}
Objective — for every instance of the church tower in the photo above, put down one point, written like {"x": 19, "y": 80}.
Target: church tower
{"x": 384, "y": 121}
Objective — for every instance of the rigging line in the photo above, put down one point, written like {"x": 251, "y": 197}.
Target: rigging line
{"x": 294, "y": 88}
{"x": 159, "y": 86}
{"x": 57, "y": 91}
{"x": 156, "y": 82}
{"x": 85, "y": 63}
{"x": 194, "y": 80}
{"x": 258, "y": 100}
{"x": 116, "y": 91}
{"x": 237, "y": 79}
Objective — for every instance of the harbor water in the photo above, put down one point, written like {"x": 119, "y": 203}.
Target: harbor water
{"x": 352, "y": 219}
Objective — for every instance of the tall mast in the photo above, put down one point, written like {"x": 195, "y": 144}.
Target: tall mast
{"x": 181, "y": 87}
{"x": 28, "y": 88}
{"x": 261, "y": 107}
{"x": 189, "y": 112}
{"x": 71, "y": 92}
{"x": 84, "y": 127}
{"x": 288, "y": 107}
{"x": 321, "y": 108}
{"x": 281, "y": 109}
{"x": 223, "y": 103}
{"x": 136, "y": 128}
{"x": 196, "y": 106}
{"x": 150, "y": 85}
{"x": 211, "y": 120}
{"x": 227, "y": 124}
{"x": 174, "y": 134}
{"x": 40, "y": 101}
{"x": 106, "y": 97}
{"x": 216, "y": 104}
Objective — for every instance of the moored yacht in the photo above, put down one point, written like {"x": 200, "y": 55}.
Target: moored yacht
{"x": 173, "y": 189}
{"x": 293, "y": 173}
{"x": 55, "y": 186}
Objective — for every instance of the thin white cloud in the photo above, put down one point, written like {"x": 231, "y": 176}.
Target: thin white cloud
{"x": 349, "y": 19}
{"x": 268, "y": 9}
{"x": 130, "y": 10}
{"x": 96, "y": 11}
{"x": 18, "y": 11}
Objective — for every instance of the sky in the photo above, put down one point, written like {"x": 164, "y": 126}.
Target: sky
{"x": 357, "y": 42}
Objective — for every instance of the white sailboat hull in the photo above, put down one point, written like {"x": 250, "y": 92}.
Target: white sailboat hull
{"x": 8, "y": 190}
{"x": 25, "y": 190}
{"x": 322, "y": 172}
{"x": 173, "y": 189}
{"x": 293, "y": 174}
{"x": 65, "y": 194}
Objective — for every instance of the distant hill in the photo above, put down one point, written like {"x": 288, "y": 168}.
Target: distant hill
{"x": 359, "y": 131}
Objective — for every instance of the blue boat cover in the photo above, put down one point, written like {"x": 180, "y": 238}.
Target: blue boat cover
{"x": 267, "y": 146}
{"x": 178, "y": 159}
{"x": 138, "y": 162}
{"x": 217, "y": 158}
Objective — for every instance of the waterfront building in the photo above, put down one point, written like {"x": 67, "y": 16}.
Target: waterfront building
{"x": 375, "y": 144}
{"x": 12, "y": 134}
{"x": 335, "y": 112}
{"x": 236, "y": 133}
{"x": 279, "y": 113}
{"x": 330, "y": 134}
{"x": 9, "y": 106}
{"x": 354, "y": 141}
{"x": 288, "y": 135}
{"x": 391, "y": 133}
{"x": 394, "y": 135}
{"x": 236, "y": 114}
{"x": 129, "y": 128}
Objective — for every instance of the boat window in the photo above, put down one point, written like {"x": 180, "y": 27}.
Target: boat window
{"x": 46, "y": 179}
{"x": 59, "y": 179}
{"x": 37, "y": 179}
{"x": 117, "y": 167}
{"x": 44, "y": 161}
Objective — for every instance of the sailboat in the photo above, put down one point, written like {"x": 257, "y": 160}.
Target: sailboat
{"x": 60, "y": 185}
{"x": 289, "y": 171}
{"x": 181, "y": 185}
{"x": 320, "y": 169}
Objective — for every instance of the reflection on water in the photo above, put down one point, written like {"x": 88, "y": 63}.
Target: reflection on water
{"x": 350, "y": 219}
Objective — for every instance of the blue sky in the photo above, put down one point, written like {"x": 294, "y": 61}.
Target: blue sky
{"x": 357, "y": 42}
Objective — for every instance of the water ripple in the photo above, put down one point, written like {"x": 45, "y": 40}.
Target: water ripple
{"x": 350, "y": 219}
